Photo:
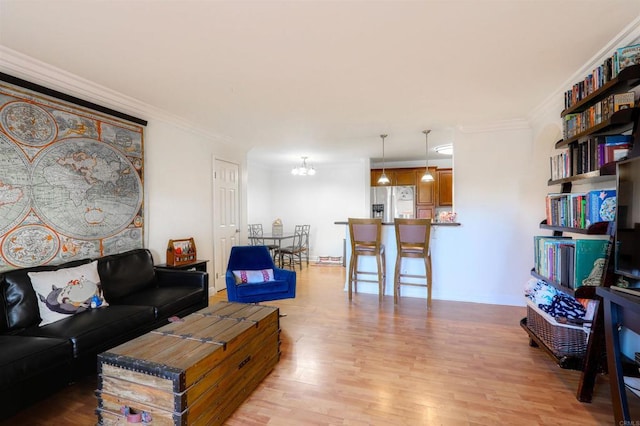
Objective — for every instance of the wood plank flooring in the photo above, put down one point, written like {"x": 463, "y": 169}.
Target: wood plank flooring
{"x": 360, "y": 363}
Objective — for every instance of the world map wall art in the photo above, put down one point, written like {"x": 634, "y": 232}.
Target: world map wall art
{"x": 71, "y": 180}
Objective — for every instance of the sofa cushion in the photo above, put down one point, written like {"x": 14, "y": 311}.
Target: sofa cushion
{"x": 21, "y": 301}
{"x": 24, "y": 357}
{"x": 126, "y": 273}
{"x": 167, "y": 301}
{"x": 96, "y": 330}
{"x": 67, "y": 291}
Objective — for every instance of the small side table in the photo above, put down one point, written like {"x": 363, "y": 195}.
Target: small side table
{"x": 198, "y": 265}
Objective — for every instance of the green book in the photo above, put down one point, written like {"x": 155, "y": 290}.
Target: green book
{"x": 589, "y": 261}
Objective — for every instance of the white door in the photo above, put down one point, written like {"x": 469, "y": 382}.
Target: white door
{"x": 225, "y": 216}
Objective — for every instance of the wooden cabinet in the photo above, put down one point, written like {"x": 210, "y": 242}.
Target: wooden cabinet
{"x": 375, "y": 175}
{"x": 426, "y": 190}
{"x": 405, "y": 177}
{"x": 429, "y": 195}
{"x": 425, "y": 212}
{"x": 445, "y": 187}
{"x": 396, "y": 176}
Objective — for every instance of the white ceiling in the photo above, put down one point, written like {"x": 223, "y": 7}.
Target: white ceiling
{"x": 322, "y": 78}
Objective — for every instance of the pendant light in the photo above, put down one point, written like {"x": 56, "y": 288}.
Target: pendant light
{"x": 427, "y": 177}
{"x": 383, "y": 180}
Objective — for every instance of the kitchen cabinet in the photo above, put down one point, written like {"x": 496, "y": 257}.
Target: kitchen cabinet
{"x": 429, "y": 195}
{"x": 375, "y": 175}
{"x": 425, "y": 212}
{"x": 426, "y": 190}
{"x": 445, "y": 187}
{"x": 405, "y": 176}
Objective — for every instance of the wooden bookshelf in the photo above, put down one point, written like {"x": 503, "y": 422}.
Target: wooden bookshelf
{"x": 598, "y": 228}
{"x": 626, "y": 79}
{"x": 605, "y": 173}
{"x": 619, "y": 122}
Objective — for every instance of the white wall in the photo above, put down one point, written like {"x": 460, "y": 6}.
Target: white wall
{"x": 488, "y": 258}
{"x": 179, "y": 187}
{"x": 336, "y": 192}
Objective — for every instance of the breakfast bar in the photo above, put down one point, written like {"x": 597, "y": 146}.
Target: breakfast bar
{"x": 409, "y": 266}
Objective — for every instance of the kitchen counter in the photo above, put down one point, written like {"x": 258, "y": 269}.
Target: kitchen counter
{"x": 409, "y": 266}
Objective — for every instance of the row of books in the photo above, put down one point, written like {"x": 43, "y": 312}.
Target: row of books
{"x": 607, "y": 71}
{"x": 581, "y": 210}
{"x": 589, "y": 155}
{"x": 577, "y": 123}
{"x": 570, "y": 262}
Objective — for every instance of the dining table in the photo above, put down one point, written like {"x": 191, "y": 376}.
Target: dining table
{"x": 277, "y": 241}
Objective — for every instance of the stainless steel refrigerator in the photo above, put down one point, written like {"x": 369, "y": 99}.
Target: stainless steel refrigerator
{"x": 390, "y": 202}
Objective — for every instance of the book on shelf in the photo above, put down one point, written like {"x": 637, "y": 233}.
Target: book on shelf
{"x": 601, "y": 206}
{"x": 589, "y": 261}
{"x": 580, "y": 209}
{"x": 627, "y": 56}
{"x": 623, "y": 101}
{"x": 572, "y": 263}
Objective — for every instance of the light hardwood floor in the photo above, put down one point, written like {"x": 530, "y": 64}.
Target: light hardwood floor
{"x": 363, "y": 364}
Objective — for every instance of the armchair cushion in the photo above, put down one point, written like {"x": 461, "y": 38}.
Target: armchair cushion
{"x": 251, "y": 276}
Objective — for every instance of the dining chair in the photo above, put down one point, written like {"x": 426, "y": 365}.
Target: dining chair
{"x": 412, "y": 240}
{"x": 366, "y": 240}
{"x": 298, "y": 249}
{"x": 256, "y": 239}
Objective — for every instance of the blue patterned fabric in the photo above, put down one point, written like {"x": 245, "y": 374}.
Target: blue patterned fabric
{"x": 564, "y": 306}
{"x": 553, "y": 302}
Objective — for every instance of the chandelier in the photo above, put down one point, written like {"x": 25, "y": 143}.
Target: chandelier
{"x": 303, "y": 169}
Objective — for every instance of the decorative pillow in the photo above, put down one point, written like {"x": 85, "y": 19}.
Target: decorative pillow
{"x": 67, "y": 291}
{"x": 250, "y": 277}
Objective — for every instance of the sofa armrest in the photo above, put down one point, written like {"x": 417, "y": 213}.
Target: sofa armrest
{"x": 169, "y": 277}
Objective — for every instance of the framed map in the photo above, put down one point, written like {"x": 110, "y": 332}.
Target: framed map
{"x": 71, "y": 178}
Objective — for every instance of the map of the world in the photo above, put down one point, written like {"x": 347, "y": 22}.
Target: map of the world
{"x": 71, "y": 181}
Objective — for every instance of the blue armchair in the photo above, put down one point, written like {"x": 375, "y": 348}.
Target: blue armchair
{"x": 257, "y": 258}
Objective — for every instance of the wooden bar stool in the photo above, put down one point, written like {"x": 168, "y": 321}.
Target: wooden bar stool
{"x": 366, "y": 240}
{"x": 412, "y": 239}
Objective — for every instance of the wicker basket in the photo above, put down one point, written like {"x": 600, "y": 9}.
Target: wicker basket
{"x": 561, "y": 339}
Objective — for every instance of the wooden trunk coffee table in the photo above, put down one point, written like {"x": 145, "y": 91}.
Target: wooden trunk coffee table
{"x": 195, "y": 371}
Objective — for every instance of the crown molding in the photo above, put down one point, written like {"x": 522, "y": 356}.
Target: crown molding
{"x": 27, "y": 68}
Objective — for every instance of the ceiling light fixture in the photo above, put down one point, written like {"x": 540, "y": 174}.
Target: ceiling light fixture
{"x": 383, "y": 179}
{"x": 303, "y": 170}
{"x": 427, "y": 177}
{"x": 444, "y": 149}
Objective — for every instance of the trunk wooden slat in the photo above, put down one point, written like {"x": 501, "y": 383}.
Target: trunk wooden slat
{"x": 191, "y": 372}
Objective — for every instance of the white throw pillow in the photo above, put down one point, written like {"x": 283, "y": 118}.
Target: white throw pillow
{"x": 250, "y": 277}
{"x": 67, "y": 291}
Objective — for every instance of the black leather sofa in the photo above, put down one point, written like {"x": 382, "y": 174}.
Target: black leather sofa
{"x": 37, "y": 360}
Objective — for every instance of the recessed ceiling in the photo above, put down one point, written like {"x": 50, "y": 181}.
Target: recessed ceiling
{"x": 322, "y": 78}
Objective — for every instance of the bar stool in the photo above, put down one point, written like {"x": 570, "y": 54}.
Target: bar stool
{"x": 412, "y": 239}
{"x": 366, "y": 240}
